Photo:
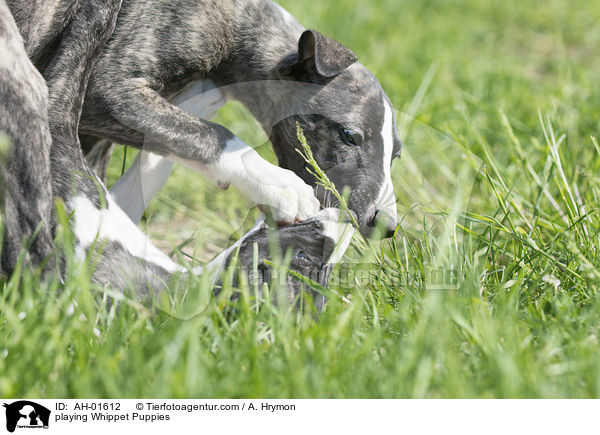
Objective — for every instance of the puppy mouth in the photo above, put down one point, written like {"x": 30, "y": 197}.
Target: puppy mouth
{"x": 372, "y": 222}
{"x": 328, "y": 200}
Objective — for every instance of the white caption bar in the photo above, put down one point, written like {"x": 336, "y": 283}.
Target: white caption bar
{"x": 264, "y": 416}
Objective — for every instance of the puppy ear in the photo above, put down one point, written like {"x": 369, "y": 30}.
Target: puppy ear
{"x": 318, "y": 60}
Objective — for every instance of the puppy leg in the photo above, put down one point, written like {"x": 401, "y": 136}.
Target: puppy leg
{"x": 125, "y": 256}
{"x": 136, "y": 188}
{"x": 67, "y": 76}
{"x": 150, "y": 172}
{"x": 204, "y": 146}
{"x": 24, "y": 119}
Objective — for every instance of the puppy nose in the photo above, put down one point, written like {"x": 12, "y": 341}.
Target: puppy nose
{"x": 386, "y": 223}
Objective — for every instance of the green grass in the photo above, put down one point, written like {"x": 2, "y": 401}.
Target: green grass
{"x": 498, "y": 103}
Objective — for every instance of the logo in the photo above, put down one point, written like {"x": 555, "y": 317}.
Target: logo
{"x": 26, "y": 415}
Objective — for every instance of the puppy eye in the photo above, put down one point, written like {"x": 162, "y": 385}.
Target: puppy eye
{"x": 352, "y": 138}
{"x": 302, "y": 255}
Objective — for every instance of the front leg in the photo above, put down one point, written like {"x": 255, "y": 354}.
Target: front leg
{"x": 150, "y": 172}
{"x": 289, "y": 197}
{"x": 211, "y": 149}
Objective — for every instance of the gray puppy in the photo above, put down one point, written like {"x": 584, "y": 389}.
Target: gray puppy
{"x": 24, "y": 119}
{"x": 256, "y": 53}
{"x": 289, "y": 75}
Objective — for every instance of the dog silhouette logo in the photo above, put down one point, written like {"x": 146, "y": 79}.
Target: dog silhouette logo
{"x": 26, "y": 415}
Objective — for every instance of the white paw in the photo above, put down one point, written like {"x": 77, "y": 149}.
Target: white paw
{"x": 296, "y": 199}
{"x": 288, "y": 197}
{"x": 287, "y": 204}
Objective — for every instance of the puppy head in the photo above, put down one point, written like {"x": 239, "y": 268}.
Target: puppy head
{"x": 314, "y": 246}
{"x": 349, "y": 124}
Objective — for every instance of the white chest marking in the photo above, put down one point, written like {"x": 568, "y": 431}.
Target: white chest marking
{"x": 386, "y": 201}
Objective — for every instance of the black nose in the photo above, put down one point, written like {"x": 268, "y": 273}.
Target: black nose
{"x": 385, "y": 223}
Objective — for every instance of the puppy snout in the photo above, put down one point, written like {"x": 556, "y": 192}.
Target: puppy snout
{"x": 385, "y": 223}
